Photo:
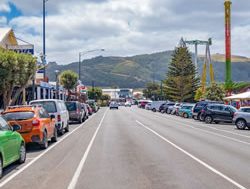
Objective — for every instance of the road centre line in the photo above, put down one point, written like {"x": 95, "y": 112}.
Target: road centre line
{"x": 8, "y": 179}
{"x": 206, "y": 131}
{"x": 76, "y": 176}
{"x": 193, "y": 157}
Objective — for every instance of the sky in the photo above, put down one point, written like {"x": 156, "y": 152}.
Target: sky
{"x": 124, "y": 27}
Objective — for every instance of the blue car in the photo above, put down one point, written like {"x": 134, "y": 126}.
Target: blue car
{"x": 186, "y": 110}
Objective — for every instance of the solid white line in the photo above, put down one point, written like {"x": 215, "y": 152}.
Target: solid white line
{"x": 193, "y": 157}
{"x": 4, "y": 182}
{"x": 76, "y": 176}
{"x": 203, "y": 130}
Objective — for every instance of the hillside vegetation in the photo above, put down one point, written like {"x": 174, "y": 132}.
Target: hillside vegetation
{"x": 136, "y": 71}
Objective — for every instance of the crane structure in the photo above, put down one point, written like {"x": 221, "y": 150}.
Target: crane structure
{"x": 207, "y": 60}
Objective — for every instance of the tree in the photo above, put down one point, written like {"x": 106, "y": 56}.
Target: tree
{"x": 215, "y": 92}
{"x": 181, "y": 82}
{"x": 68, "y": 79}
{"x": 16, "y": 70}
{"x": 95, "y": 93}
{"x": 198, "y": 94}
{"x": 152, "y": 91}
{"x": 105, "y": 97}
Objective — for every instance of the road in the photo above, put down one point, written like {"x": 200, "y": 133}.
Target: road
{"x": 132, "y": 148}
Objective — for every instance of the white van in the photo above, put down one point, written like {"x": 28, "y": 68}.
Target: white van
{"x": 58, "y": 109}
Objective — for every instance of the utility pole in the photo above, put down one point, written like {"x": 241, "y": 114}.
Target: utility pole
{"x": 44, "y": 41}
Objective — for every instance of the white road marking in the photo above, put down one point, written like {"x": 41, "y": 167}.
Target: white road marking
{"x": 193, "y": 157}
{"x": 8, "y": 179}
{"x": 205, "y": 131}
{"x": 76, "y": 176}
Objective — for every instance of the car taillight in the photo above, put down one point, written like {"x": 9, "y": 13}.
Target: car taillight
{"x": 58, "y": 118}
{"x": 35, "y": 122}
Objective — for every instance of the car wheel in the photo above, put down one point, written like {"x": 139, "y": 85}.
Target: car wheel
{"x": 208, "y": 119}
{"x": 241, "y": 124}
{"x": 154, "y": 110}
{"x": 216, "y": 122}
{"x": 54, "y": 138}
{"x": 22, "y": 154}
{"x": 67, "y": 128}
{"x": 199, "y": 117}
{"x": 185, "y": 115}
{"x": 45, "y": 142}
{"x": 1, "y": 167}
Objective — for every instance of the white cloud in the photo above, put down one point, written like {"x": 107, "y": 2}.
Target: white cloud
{"x": 128, "y": 27}
{"x": 4, "y": 6}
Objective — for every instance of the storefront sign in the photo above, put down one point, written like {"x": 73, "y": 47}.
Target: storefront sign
{"x": 26, "y": 49}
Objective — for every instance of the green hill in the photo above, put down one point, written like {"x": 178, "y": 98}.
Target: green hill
{"x": 136, "y": 71}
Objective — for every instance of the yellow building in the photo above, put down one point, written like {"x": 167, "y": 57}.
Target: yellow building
{"x": 7, "y": 38}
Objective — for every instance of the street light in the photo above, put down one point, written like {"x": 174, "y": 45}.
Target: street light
{"x": 44, "y": 44}
{"x": 57, "y": 86}
{"x": 80, "y": 57}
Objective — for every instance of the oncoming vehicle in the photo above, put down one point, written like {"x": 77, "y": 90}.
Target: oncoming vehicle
{"x": 113, "y": 105}
{"x": 36, "y": 124}
{"x": 242, "y": 118}
{"x": 12, "y": 145}
{"x": 186, "y": 110}
{"x": 58, "y": 109}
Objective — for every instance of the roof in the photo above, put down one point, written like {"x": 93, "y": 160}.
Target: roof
{"x": 7, "y": 37}
{"x": 241, "y": 96}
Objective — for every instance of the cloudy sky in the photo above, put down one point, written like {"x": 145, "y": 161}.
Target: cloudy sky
{"x": 124, "y": 27}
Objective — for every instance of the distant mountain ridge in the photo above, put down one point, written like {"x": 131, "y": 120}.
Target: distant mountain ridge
{"x": 136, "y": 71}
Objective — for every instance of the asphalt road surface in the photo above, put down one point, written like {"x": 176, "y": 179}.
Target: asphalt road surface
{"x": 132, "y": 148}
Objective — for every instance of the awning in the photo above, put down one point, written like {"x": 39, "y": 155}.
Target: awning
{"x": 242, "y": 96}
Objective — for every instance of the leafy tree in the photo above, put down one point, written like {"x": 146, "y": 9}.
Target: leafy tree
{"x": 199, "y": 94}
{"x": 105, "y": 97}
{"x": 95, "y": 93}
{"x": 215, "y": 92}
{"x": 16, "y": 70}
{"x": 181, "y": 82}
{"x": 152, "y": 91}
{"x": 68, "y": 79}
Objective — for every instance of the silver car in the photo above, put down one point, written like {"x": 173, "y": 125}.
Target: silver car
{"x": 242, "y": 118}
{"x": 113, "y": 105}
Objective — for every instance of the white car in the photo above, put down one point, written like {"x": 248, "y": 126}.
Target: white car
{"x": 155, "y": 105}
{"x": 113, "y": 105}
{"x": 58, "y": 109}
{"x": 128, "y": 104}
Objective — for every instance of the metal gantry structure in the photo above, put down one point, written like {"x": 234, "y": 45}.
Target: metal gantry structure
{"x": 207, "y": 59}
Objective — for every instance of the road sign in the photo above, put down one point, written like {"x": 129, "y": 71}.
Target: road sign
{"x": 26, "y": 49}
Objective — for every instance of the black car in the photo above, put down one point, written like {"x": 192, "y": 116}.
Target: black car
{"x": 164, "y": 107}
{"x": 218, "y": 113}
{"x": 199, "y": 106}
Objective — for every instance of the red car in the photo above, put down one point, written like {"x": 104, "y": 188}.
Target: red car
{"x": 89, "y": 109}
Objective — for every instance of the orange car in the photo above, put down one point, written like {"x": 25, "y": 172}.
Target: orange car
{"x": 37, "y": 125}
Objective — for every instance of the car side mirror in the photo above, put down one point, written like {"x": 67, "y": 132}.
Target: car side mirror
{"x": 16, "y": 127}
{"x": 52, "y": 117}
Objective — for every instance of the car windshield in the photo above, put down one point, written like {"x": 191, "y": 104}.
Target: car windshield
{"x": 17, "y": 116}
{"x": 50, "y": 106}
{"x": 245, "y": 110}
{"x": 71, "y": 106}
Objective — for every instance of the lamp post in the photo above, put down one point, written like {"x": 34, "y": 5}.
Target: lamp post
{"x": 44, "y": 41}
{"x": 57, "y": 85}
{"x": 81, "y": 54}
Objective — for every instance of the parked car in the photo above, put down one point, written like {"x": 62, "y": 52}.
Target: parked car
{"x": 186, "y": 110}
{"x": 12, "y": 145}
{"x": 58, "y": 109}
{"x": 155, "y": 105}
{"x": 76, "y": 112}
{"x": 242, "y": 118}
{"x": 90, "y": 111}
{"x": 196, "y": 112}
{"x": 211, "y": 106}
{"x": 128, "y": 104}
{"x": 143, "y": 103}
{"x": 175, "y": 108}
{"x": 170, "y": 109}
{"x": 113, "y": 105}
{"x": 164, "y": 107}
{"x": 222, "y": 113}
{"x": 37, "y": 126}
{"x": 86, "y": 111}
{"x": 148, "y": 106}
{"x": 93, "y": 105}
